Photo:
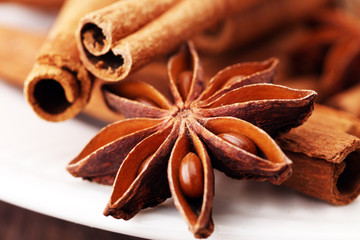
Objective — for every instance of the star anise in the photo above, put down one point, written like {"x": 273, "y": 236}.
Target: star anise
{"x": 330, "y": 51}
{"x": 170, "y": 147}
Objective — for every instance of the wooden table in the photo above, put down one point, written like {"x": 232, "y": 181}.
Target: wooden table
{"x": 21, "y": 224}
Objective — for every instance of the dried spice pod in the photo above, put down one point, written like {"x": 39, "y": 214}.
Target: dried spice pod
{"x": 103, "y": 155}
{"x": 182, "y": 144}
{"x": 134, "y": 191}
{"x": 196, "y": 210}
{"x": 227, "y": 157}
{"x": 330, "y": 51}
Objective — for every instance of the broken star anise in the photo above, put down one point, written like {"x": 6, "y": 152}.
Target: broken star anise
{"x": 329, "y": 50}
{"x": 169, "y": 147}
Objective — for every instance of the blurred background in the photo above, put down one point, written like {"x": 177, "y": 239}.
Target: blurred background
{"x": 262, "y": 39}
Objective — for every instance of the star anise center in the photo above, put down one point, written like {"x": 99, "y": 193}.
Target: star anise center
{"x": 183, "y": 113}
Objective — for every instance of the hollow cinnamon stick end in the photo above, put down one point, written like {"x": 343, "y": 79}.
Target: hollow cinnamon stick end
{"x": 54, "y": 93}
{"x": 94, "y": 34}
{"x": 93, "y": 39}
{"x": 335, "y": 183}
{"x": 326, "y": 161}
{"x": 325, "y": 152}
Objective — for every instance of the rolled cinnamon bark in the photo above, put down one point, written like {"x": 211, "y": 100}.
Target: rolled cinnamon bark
{"x": 149, "y": 32}
{"x": 18, "y": 51}
{"x": 325, "y": 152}
{"x": 347, "y": 100}
{"x": 58, "y": 87}
{"x": 251, "y": 23}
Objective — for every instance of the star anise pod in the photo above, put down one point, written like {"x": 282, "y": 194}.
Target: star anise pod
{"x": 170, "y": 146}
{"x": 330, "y": 51}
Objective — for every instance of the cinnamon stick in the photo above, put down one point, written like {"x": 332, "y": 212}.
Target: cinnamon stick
{"x": 18, "y": 51}
{"x": 325, "y": 152}
{"x": 58, "y": 87}
{"x": 347, "y": 100}
{"x": 157, "y": 30}
{"x": 254, "y": 22}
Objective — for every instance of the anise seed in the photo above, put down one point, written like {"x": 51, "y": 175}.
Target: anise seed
{"x": 184, "y": 83}
{"x": 191, "y": 176}
{"x": 240, "y": 141}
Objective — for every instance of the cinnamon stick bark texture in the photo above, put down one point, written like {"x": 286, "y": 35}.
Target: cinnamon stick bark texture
{"x": 256, "y": 21}
{"x": 58, "y": 87}
{"x": 18, "y": 51}
{"x": 325, "y": 152}
{"x": 152, "y": 31}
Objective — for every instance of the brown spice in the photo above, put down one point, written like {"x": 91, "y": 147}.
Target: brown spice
{"x": 18, "y": 44}
{"x": 329, "y": 51}
{"x": 58, "y": 87}
{"x": 325, "y": 152}
{"x": 14, "y": 45}
{"x": 240, "y": 141}
{"x": 172, "y": 129}
{"x": 119, "y": 45}
{"x": 191, "y": 176}
{"x": 267, "y": 17}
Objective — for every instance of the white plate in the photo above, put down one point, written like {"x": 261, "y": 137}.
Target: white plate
{"x": 34, "y": 153}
